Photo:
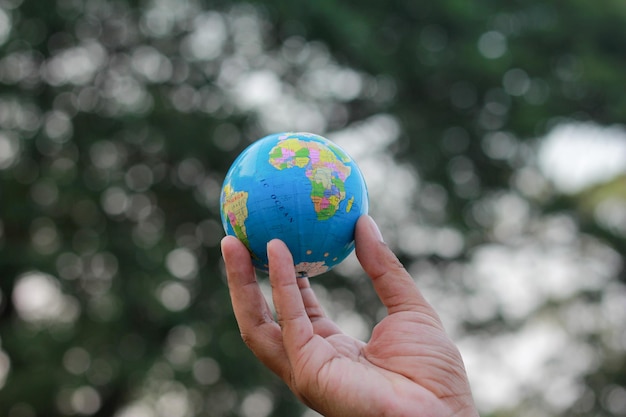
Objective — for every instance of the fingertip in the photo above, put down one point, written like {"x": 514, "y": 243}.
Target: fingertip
{"x": 226, "y": 241}
{"x": 237, "y": 259}
{"x": 275, "y": 244}
{"x": 367, "y": 225}
{"x": 230, "y": 246}
{"x": 279, "y": 257}
{"x": 279, "y": 251}
{"x": 369, "y": 242}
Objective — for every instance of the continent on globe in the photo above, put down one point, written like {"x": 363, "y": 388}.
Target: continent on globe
{"x": 300, "y": 188}
{"x": 349, "y": 205}
{"x": 323, "y": 167}
{"x": 311, "y": 269}
{"x": 235, "y": 209}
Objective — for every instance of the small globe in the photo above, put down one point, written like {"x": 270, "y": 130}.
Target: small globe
{"x": 300, "y": 188}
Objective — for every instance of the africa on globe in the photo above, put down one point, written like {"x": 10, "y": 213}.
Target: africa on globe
{"x": 300, "y": 188}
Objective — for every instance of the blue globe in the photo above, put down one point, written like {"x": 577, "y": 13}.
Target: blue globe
{"x": 300, "y": 188}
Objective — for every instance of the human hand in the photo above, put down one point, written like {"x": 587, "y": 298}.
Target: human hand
{"x": 409, "y": 367}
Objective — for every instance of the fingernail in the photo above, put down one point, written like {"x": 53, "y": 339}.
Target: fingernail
{"x": 375, "y": 229}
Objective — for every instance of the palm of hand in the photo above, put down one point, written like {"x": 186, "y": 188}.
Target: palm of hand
{"x": 399, "y": 369}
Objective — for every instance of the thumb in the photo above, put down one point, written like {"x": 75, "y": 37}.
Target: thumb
{"x": 393, "y": 284}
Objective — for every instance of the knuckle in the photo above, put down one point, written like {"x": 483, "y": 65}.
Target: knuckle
{"x": 248, "y": 339}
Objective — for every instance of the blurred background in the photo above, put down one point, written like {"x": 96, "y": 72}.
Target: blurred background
{"x": 488, "y": 132}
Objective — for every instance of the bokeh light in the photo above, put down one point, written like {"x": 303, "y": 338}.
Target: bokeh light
{"x": 490, "y": 139}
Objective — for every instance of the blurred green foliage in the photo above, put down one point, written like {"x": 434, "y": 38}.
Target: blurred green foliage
{"x": 118, "y": 121}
